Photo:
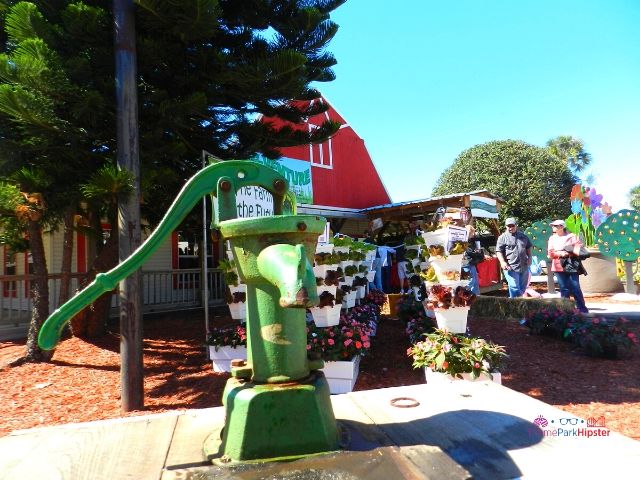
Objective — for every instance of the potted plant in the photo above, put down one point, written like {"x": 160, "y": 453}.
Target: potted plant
{"x": 325, "y": 262}
{"x": 342, "y": 244}
{"x": 341, "y": 347}
{"x": 327, "y": 313}
{"x": 230, "y": 275}
{"x": 226, "y": 344}
{"x": 237, "y": 306}
{"x": 446, "y": 356}
{"x": 451, "y": 306}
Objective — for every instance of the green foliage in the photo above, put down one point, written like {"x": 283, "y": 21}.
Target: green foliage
{"x": 454, "y": 354}
{"x": 539, "y": 234}
{"x": 570, "y": 151}
{"x": 533, "y": 183}
{"x": 634, "y": 197}
{"x": 619, "y": 235}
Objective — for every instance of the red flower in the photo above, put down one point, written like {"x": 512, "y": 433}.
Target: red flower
{"x": 358, "y": 345}
{"x": 445, "y": 364}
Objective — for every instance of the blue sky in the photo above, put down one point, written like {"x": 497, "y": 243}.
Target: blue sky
{"x": 420, "y": 81}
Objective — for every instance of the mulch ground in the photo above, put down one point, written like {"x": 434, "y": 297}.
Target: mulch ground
{"x": 82, "y": 383}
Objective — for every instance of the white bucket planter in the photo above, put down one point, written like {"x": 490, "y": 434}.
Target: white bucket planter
{"x": 453, "y": 319}
{"x": 439, "y": 377}
{"x": 415, "y": 261}
{"x": 222, "y": 357}
{"x": 324, "y": 248}
{"x": 332, "y": 290}
{"x": 360, "y": 293}
{"x": 347, "y": 281}
{"x": 320, "y": 271}
{"x": 326, "y": 316}
{"x": 439, "y": 237}
{"x": 238, "y": 310}
{"x": 424, "y": 265}
{"x": 349, "y": 300}
{"x": 341, "y": 249}
{"x": 342, "y": 375}
{"x": 371, "y": 276}
{"x": 240, "y": 288}
{"x": 345, "y": 264}
{"x": 370, "y": 256}
{"x": 452, "y": 263}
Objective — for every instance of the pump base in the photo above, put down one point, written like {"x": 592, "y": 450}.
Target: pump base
{"x": 275, "y": 421}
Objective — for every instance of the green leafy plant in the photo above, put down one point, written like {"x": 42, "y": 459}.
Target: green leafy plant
{"x": 413, "y": 240}
{"x": 454, "y": 354}
{"x": 229, "y": 272}
{"x": 601, "y": 337}
{"x": 552, "y": 321}
{"x": 342, "y": 242}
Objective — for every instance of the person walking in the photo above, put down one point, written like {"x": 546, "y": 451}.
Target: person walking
{"x": 562, "y": 246}
{"x": 513, "y": 250}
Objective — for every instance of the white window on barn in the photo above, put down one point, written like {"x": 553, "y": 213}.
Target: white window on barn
{"x": 321, "y": 155}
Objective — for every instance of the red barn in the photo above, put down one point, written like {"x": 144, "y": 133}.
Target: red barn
{"x": 343, "y": 176}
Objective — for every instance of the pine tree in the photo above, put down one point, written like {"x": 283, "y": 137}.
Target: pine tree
{"x": 208, "y": 71}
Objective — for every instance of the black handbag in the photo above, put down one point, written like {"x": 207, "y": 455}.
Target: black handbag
{"x": 581, "y": 254}
{"x": 572, "y": 265}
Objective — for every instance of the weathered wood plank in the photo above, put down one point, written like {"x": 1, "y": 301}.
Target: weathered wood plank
{"x": 192, "y": 429}
{"x": 124, "y": 448}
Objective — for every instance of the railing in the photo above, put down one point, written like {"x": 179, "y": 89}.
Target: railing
{"x": 161, "y": 291}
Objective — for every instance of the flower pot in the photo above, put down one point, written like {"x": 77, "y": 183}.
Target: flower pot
{"x": 414, "y": 262}
{"x": 439, "y": 377}
{"x": 442, "y": 266}
{"x": 332, "y": 290}
{"x": 342, "y": 375}
{"x": 238, "y": 310}
{"x": 349, "y": 300}
{"x": 320, "y": 271}
{"x": 324, "y": 248}
{"x": 360, "y": 293}
{"x": 601, "y": 274}
{"x": 370, "y": 256}
{"x": 453, "y": 319}
{"x": 240, "y": 288}
{"x": 345, "y": 264}
{"x": 346, "y": 281}
{"x": 341, "y": 249}
{"x": 371, "y": 276}
{"x": 222, "y": 357}
{"x": 438, "y": 237}
{"x": 326, "y": 316}
{"x": 424, "y": 266}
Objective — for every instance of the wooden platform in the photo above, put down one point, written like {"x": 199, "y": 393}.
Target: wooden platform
{"x": 458, "y": 430}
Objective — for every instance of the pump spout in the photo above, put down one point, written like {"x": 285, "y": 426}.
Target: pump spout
{"x": 287, "y": 268}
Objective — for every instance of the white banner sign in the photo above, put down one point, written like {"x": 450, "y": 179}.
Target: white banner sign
{"x": 254, "y": 201}
{"x": 483, "y": 207}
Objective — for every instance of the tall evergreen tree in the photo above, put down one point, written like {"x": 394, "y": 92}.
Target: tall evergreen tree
{"x": 208, "y": 70}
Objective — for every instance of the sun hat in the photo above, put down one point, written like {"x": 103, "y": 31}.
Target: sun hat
{"x": 510, "y": 221}
{"x": 558, "y": 223}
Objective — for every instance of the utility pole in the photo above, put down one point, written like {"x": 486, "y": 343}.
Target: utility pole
{"x": 129, "y": 239}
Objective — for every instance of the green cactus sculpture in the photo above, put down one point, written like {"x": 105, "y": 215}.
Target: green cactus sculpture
{"x": 539, "y": 234}
{"x": 619, "y": 236}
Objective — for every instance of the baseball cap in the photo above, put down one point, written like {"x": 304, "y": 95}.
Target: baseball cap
{"x": 559, "y": 223}
{"x": 510, "y": 221}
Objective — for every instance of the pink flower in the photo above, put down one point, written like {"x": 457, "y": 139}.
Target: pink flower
{"x": 367, "y": 345}
{"x": 331, "y": 341}
{"x": 348, "y": 342}
{"x": 308, "y": 347}
{"x": 476, "y": 365}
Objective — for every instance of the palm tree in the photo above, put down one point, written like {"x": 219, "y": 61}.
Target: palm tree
{"x": 634, "y": 197}
{"x": 569, "y": 150}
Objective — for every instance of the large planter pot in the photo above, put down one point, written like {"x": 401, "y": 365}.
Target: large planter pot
{"x": 448, "y": 269}
{"x": 331, "y": 289}
{"x": 601, "y": 274}
{"x": 360, "y": 293}
{"x": 238, "y": 310}
{"x": 439, "y": 377}
{"x": 342, "y": 375}
{"x": 222, "y": 357}
{"x": 453, "y": 319}
{"x": 326, "y": 316}
{"x": 371, "y": 276}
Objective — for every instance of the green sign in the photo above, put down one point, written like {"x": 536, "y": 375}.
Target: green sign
{"x": 297, "y": 173}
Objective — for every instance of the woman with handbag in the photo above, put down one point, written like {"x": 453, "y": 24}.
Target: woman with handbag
{"x": 563, "y": 249}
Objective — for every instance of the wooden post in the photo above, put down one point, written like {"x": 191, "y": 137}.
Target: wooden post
{"x": 131, "y": 365}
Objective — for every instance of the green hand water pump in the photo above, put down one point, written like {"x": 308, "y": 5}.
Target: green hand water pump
{"x": 277, "y": 404}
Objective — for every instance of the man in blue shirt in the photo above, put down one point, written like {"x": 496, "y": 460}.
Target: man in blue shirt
{"x": 514, "y": 253}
